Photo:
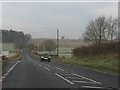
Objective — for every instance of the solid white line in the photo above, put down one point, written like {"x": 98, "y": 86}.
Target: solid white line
{"x": 64, "y": 78}
{"x": 9, "y": 70}
{"x": 65, "y": 74}
{"x": 73, "y": 77}
{"x": 5, "y": 74}
{"x": 91, "y": 87}
{"x": 59, "y": 68}
{"x": 47, "y": 68}
{"x": 87, "y": 78}
{"x": 82, "y": 82}
{"x": 106, "y": 73}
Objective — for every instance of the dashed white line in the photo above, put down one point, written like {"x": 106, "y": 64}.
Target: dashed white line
{"x": 47, "y": 68}
{"x": 87, "y": 78}
{"x": 59, "y": 68}
{"x": 64, "y": 78}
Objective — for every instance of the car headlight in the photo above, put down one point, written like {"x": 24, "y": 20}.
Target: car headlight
{"x": 49, "y": 57}
{"x": 42, "y": 57}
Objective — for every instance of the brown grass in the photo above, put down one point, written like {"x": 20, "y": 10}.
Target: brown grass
{"x": 16, "y": 56}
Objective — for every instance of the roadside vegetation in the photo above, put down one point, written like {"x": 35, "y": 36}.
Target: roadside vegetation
{"x": 17, "y": 56}
{"x": 104, "y": 50}
{"x": 108, "y": 63}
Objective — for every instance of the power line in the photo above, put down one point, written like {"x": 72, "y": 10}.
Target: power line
{"x": 43, "y": 31}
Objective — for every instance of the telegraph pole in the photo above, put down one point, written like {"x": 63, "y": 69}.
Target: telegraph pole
{"x": 57, "y": 42}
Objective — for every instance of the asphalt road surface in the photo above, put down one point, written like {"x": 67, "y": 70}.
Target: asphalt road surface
{"x": 31, "y": 74}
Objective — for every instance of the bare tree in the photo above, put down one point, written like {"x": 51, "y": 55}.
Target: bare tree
{"x": 118, "y": 35}
{"x": 96, "y": 30}
{"x": 112, "y": 29}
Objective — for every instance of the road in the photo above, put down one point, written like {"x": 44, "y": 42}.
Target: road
{"x": 31, "y": 74}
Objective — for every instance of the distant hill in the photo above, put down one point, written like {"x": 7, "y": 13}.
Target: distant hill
{"x": 15, "y": 37}
{"x": 62, "y": 42}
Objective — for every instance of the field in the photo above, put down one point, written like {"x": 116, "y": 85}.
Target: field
{"x": 65, "y": 50}
{"x": 62, "y": 43}
{"x": 8, "y": 47}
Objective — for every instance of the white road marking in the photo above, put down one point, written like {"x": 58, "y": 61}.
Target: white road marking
{"x": 59, "y": 68}
{"x": 87, "y": 78}
{"x": 82, "y": 82}
{"x": 40, "y": 65}
{"x": 9, "y": 70}
{"x": 5, "y": 74}
{"x": 101, "y": 71}
{"x": 47, "y": 68}
{"x": 65, "y": 74}
{"x": 2, "y": 77}
{"x": 91, "y": 87}
{"x": 74, "y": 77}
{"x": 48, "y": 64}
{"x": 64, "y": 78}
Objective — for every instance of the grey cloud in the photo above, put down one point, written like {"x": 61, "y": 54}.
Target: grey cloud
{"x": 70, "y": 18}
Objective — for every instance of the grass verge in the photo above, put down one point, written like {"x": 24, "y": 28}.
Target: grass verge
{"x": 107, "y": 63}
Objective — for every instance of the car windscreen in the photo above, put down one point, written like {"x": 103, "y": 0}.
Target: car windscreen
{"x": 45, "y": 55}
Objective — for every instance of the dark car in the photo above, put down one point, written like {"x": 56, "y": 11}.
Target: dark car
{"x": 45, "y": 57}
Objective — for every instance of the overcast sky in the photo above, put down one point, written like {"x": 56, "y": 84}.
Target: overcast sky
{"x": 41, "y": 19}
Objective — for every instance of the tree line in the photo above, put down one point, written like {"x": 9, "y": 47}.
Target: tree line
{"x": 17, "y": 37}
{"x": 47, "y": 45}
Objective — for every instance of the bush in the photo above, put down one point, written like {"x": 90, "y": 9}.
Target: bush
{"x": 96, "y": 49}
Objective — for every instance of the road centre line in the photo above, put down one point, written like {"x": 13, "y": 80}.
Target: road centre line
{"x": 87, "y": 78}
{"x": 47, "y": 68}
{"x": 59, "y": 68}
{"x": 64, "y": 78}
